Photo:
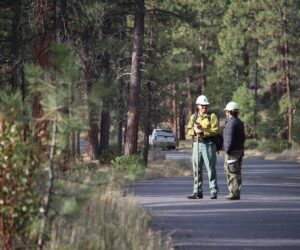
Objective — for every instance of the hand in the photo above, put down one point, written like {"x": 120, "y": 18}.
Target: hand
{"x": 198, "y": 128}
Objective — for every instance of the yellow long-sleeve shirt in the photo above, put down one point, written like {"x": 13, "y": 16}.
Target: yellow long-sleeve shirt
{"x": 210, "y": 125}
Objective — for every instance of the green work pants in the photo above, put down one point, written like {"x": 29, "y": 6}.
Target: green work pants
{"x": 207, "y": 156}
{"x": 233, "y": 171}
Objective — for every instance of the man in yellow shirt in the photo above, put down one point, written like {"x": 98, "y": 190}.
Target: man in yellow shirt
{"x": 203, "y": 126}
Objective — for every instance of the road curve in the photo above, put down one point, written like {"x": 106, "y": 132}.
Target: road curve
{"x": 266, "y": 217}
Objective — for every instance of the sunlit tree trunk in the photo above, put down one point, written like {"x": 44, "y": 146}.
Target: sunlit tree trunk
{"x": 135, "y": 81}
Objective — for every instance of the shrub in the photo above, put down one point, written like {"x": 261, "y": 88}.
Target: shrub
{"x": 131, "y": 166}
{"x": 251, "y": 144}
{"x": 19, "y": 201}
{"x": 109, "y": 154}
{"x": 274, "y": 146}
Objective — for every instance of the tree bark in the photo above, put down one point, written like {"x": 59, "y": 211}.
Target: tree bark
{"x": 93, "y": 135}
{"x": 189, "y": 96}
{"x": 287, "y": 75}
{"x": 48, "y": 195}
{"x": 246, "y": 60}
{"x": 41, "y": 58}
{"x": 202, "y": 59}
{"x": 16, "y": 35}
{"x": 147, "y": 121}
{"x": 182, "y": 117}
{"x": 60, "y": 12}
{"x": 93, "y": 131}
{"x": 120, "y": 113}
{"x": 147, "y": 124}
{"x": 175, "y": 113}
{"x": 135, "y": 81}
{"x": 105, "y": 114}
{"x": 104, "y": 128}
{"x": 202, "y": 68}
{"x": 255, "y": 90}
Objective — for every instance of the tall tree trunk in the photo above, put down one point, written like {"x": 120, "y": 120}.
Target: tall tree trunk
{"x": 104, "y": 128}
{"x": 60, "y": 37}
{"x": 77, "y": 148}
{"x": 16, "y": 35}
{"x": 175, "y": 113}
{"x": 120, "y": 113}
{"x": 255, "y": 90}
{"x": 202, "y": 59}
{"x": 41, "y": 58}
{"x": 93, "y": 135}
{"x": 60, "y": 12}
{"x": 202, "y": 68}
{"x": 246, "y": 60}
{"x": 147, "y": 121}
{"x": 121, "y": 106}
{"x": 92, "y": 116}
{"x": 105, "y": 114}
{"x": 182, "y": 117}
{"x": 48, "y": 195}
{"x": 147, "y": 124}
{"x": 189, "y": 96}
{"x": 272, "y": 91}
{"x": 287, "y": 74}
{"x": 135, "y": 80}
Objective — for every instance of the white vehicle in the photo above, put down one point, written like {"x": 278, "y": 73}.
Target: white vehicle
{"x": 162, "y": 138}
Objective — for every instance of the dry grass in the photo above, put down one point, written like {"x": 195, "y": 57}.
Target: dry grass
{"x": 292, "y": 154}
{"x": 185, "y": 145}
{"x": 109, "y": 220}
{"x": 93, "y": 211}
{"x": 168, "y": 168}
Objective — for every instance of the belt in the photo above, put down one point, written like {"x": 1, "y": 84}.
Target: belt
{"x": 203, "y": 140}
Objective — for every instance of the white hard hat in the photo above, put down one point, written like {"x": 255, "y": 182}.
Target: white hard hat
{"x": 232, "y": 106}
{"x": 202, "y": 100}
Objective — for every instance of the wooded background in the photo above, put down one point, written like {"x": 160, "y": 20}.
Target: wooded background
{"x": 143, "y": 63}
{"x": 109, "y": 71}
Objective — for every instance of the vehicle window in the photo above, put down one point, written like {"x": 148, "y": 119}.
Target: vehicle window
{"x": 164, "y": 133}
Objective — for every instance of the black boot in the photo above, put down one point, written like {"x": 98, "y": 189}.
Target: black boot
{"x": 213, "y": 195}
{"x": 195, "y": 196}
{"x": 233, "y": 196}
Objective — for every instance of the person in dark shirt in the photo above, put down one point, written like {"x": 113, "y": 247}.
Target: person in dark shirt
{"x": 234, "y": 139}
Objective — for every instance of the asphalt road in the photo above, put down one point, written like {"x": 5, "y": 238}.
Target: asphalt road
{"x": 266, "y": 217}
